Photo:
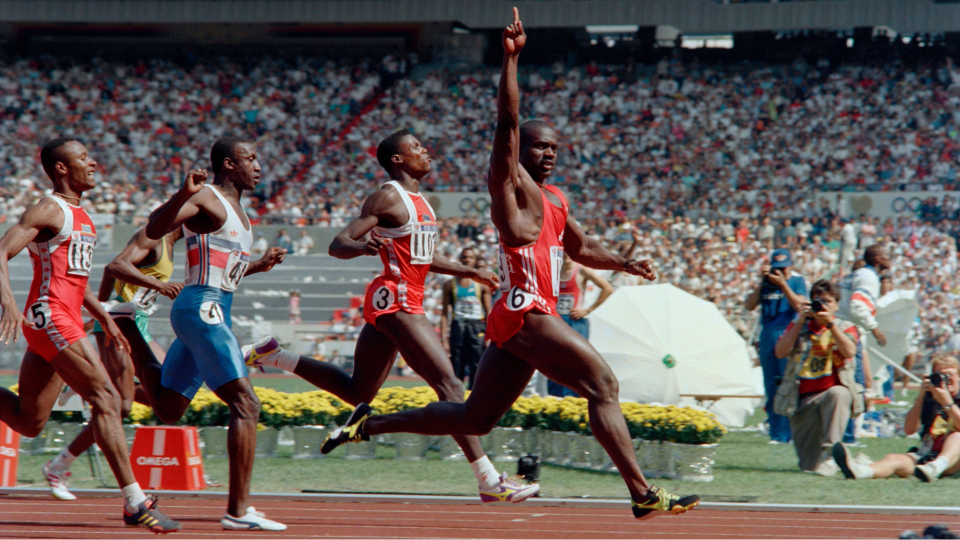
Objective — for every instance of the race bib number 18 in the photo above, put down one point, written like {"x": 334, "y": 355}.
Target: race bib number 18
{"x": 80, "y": 254}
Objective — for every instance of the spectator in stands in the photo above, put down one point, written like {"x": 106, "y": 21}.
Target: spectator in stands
{"x": 259, "y": 246}
{"x": 305, "y": 243}
{"x": 935, "y": 414}
{"x": 283, "y": 241}
{"x": 780, "y": 296}
{"x": 818, "y": 393}
{"x": 294, "y": 307}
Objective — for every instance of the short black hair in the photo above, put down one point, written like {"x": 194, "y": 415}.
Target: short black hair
{"x": 824, "y": 286}
{"x": 390, "y": 147}
{"x": 50, "y": 154}
{"x": 225, "y": 147}
{"x": 871, "y": 254}
{"x": 527, "y": 130}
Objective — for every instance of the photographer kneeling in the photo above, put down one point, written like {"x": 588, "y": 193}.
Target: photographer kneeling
{"x": 818, "y": 393}
{"x": 937, "y": 412}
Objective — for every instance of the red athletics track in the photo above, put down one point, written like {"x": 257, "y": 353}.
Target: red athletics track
{"x": 36, "y": 517}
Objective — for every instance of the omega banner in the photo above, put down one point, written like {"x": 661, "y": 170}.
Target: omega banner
{"x": 887, "y": 203}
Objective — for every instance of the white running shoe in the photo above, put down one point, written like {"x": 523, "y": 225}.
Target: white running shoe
{"x": 927, "y": 472}
{"x": 254, "y": 353}
{"x": 509, "y": 489}
{"x": 58, "y": 483}
{"x": 253, "y": 521}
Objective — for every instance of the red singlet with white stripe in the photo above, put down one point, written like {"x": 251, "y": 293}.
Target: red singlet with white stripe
{"x": 406, "y": 260}
{"x": 530, "y": 275}
{"x": 61, "y": 268}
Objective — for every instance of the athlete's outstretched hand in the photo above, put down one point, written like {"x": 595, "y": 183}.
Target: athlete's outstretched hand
{"x": 513, "y": 36}
{"x": 10, "y": 323}
{"x": 488, "y": 278}
{"x": 171, "y": 290}
{"x": 642, "y": 268}
{"x": 195, "y": 180}
{"x": 374, "y": 245}
{"x": 271, "y": 258}
{"x": 113, "y": 333}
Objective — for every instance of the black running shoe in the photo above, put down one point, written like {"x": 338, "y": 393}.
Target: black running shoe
{"x": 148, "y": 517}
{"x": 352, "y": 432}
{"x": 661, "y": 501}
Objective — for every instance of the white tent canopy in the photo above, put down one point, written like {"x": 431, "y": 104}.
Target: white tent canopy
{"x": 662, "y": 342}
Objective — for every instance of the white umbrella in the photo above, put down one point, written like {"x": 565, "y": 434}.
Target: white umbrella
{"x": 896, "y": 312}
{"x": 662, "y": 342}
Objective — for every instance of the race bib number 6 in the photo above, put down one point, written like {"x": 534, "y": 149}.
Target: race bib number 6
{"x": 518, "y": 299}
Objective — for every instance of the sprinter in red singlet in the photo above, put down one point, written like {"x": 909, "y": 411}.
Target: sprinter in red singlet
{"x": 535, "y": 228}
{"x": 402, "y": 230}
{"x": 60, "y": 238}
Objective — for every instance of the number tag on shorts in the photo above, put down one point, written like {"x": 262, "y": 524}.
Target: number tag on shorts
{"x": 236, "y": 267}
{"x": 517, "y": 299}
{"x": 382, "y": 298}
{"x": 80, "y": 254}
{"x": 39, "y": 315}
{"x": 211, "y": 313}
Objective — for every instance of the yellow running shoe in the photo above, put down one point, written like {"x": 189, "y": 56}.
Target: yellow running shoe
{"x": 352, "y": 432}
{"x": 661, "y": 501}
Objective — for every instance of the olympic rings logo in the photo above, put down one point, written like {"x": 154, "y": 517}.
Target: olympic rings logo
{"x": 901, "y": 205}
{"x": 479, "y": 205}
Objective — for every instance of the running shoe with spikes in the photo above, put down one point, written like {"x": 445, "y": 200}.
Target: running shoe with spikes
{"x": 352, "y": 432}
{"x": 662, "y": 501}
{"x": 251, "y": 521}
{"x": 58, "y": 482}
{"x": 509, "y": 489}
{"x": 148, "y": 517}
{"x": 254, "y": 353}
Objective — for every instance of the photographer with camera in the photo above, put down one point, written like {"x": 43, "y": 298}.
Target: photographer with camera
{"x": 818, "y": 393}
{"x": 780, "y": 295}
{"x": 936, "y": 412}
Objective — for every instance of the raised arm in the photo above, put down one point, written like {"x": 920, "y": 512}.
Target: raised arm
{"x": 124, "y": 267}
{"x": 382, "y": 205}
{"x": 43, "y": 216}
{"x": 505, "y": 160}
{"x": 443, "y": 265}
{"x": 180, "y": 208}
{"x": 592, "y": 254}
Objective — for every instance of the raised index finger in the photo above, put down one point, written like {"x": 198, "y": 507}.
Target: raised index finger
{"x": 516, "y": 15}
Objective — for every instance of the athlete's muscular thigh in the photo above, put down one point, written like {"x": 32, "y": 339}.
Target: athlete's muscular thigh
{"x": 417, "y": 340}
{"x": 80, "y": 367}
{"x": 564, "y": 356}
{"x": 38, "y": 389}
{"x": 118, "y": 366}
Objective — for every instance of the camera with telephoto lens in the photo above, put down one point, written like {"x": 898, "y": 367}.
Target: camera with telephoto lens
{"x": 817, "y": 306}
{"x": 937, "y": 379}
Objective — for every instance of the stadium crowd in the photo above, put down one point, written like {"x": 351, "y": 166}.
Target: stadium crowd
{"x": 713, "y": 165}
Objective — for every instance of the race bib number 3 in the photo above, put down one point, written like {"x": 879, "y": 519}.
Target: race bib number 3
{"x": 80, "y": 254}
{"x": 233, "y": 273}
{"x": 382, "y": 299}
{"x": 211, "y": 313}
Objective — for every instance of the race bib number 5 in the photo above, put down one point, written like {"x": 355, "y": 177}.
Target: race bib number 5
{"x": 38, "y": 315}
